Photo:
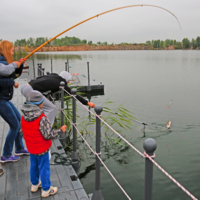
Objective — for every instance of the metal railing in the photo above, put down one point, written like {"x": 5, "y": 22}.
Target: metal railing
{"x": 149, "y": 146}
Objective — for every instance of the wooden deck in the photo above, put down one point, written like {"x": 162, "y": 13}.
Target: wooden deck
{"x": 15, "y": 182}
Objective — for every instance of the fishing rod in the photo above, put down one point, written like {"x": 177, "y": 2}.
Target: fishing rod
{"x": 145, "y": 124}
{"x": 95, "y": 17}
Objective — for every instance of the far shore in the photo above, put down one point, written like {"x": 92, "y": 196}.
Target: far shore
{"x": 93, "y": 48}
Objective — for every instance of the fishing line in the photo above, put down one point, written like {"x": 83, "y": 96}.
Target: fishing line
{"x": 170, "y": 103}
{"x": 98, "y": 16}
{"x": 145, "y": 124}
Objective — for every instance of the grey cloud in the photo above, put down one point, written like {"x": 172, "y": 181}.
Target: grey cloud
{"x": 46, "y": 18}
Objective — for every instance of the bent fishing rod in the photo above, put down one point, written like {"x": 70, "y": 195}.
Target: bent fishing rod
{"x": 95, "y": 17}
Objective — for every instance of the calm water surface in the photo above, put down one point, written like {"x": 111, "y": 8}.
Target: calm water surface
{"x": 144, "y": 82}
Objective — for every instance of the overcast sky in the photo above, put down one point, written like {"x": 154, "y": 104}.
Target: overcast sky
{"x": 47, "y": 18}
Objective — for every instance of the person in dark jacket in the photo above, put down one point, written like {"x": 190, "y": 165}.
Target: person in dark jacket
{"x": 51, "y": 83}
{"x": 7, "y": 109}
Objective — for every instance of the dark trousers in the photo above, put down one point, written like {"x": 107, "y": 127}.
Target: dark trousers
{"x": 12, "y": 116}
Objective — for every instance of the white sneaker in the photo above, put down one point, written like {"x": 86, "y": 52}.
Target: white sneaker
{"x": 52, "y": 190}
{"x": 34, "y": 188}
{"x": 49, "y": 154}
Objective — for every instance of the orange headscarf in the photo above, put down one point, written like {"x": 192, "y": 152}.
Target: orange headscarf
{"x": 5, "y": 50}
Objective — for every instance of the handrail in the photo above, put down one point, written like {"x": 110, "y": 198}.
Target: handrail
{"x": 144, "y": 155}
{"x": 97, "y": 156}
{"x": 134, "y": 148}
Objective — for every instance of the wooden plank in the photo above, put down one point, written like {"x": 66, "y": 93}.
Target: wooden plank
{"x": 69, "y": 170}
{"x": 2, "y": 145}
{"x": 61, "y": 173}
{"x": 15, "y": 182}
{"x": 63, "y": 194}
{"x": 17, "y": 179}
{"x": 75, "y": 182}
{"x": 81, "y": 194}
{"x": 48, "y": 198}
{"x": 2, "y": 178}
{"x": 22, "y": 177}
{"x": 57, "y": 144}
{"x": 54, "y": 177}
{"x": 12, "y": 177}
{"x": 2, "y": 125}
{"x": 32, "y": 195}
{"x": 63, "y": 177}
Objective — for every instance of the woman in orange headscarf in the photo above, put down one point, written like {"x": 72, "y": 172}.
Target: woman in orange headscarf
{"x": 10, "y": 70}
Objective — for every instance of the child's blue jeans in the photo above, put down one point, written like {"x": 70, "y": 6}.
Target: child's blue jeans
{"x": 40, "y": 167}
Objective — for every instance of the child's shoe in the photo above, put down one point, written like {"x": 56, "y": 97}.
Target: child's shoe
{"x": 22, "y": 152}
{"x": 34, "y": 188}
{"x": 52, "y": 190}
{"x": 12, "y": 158}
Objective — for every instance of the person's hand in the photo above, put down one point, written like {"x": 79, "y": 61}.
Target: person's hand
{"x": 16, "y": 85}
{"x": 18, "y": 63}
{"x": 22, "y": 61}
{"x": 92, "y": 105}
{"x": 63, "y": 128}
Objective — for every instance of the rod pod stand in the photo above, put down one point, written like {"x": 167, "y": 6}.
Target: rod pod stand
{"x": 39, "y": 69}
{"x": 149, "y": 146}
{"x": 66, "y": 67}
{"x": 97, "y": 195}
{"x": 89, "y": 86}
{"x": 33, "y": 69}
{"x": 63, "y": 135}
{"x": 68, "y": 64}
{"x": 51, "y": 66}
{"x": 75, "y": 156}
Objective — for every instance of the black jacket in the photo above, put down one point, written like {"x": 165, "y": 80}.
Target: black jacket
{"x": 6, "y": 84}
{"x": 51, "y": 82}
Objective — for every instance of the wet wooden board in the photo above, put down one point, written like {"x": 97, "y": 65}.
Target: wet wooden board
{"x": 15, "y": 182}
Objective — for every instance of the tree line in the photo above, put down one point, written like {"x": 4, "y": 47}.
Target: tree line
{"x": 66, "y": 41}
{"x": 184, "y": 44}
{"x": 74, "y": 41}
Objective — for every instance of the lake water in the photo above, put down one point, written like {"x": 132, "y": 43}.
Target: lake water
{"x": 144, "y": 82}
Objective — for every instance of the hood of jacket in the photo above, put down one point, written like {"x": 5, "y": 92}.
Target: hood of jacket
{"x": 31, "y": 112}
{"x": 3, "y": 60}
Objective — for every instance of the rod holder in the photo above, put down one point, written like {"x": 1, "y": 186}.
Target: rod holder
{"x": 66, "y": 66}
{"x": 75, "y": 156}
{"x": 51, "y": 66}
{"x": 97, "y": 195}
{"x": 63, "y": 136}
{"x": 88, "y": 69}
{"x": 39, "y": 68}
{"x": 33, "y": 69}
{"x": 43, "y": 69}
{"x": 149, "y": 146}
